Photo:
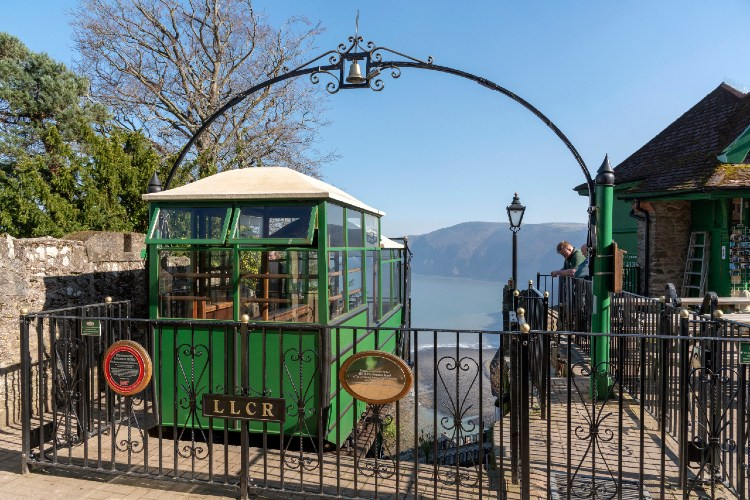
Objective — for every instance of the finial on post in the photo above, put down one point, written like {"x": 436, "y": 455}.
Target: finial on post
{"x": 154, "y": 185}
{"x": 605, "y": 176}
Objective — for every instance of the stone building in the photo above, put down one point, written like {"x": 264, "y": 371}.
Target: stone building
{"x": 47, "y": 273}
{"x": 691, "y": 181}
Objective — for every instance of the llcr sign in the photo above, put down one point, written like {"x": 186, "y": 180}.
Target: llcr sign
{"x": 244, "y": 408}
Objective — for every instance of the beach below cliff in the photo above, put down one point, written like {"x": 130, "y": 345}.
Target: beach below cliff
{"x": 447, "y": 385}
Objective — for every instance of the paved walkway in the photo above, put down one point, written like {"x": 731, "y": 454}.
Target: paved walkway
{"x": 47, "y": 485}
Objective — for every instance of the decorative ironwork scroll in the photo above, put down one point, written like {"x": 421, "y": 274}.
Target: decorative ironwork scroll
{"x": 193, "y": 364}
{"x": 458, "y": 380}
{"x": 597, "y": 434}
{"x": 383, "y": 463}
{"x": 297, "y": 365}
{"x": 714, "y": 395}
{"x": 68, "y": 355}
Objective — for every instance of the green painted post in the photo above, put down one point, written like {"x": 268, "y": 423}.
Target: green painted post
{"x": 603, "y": 275}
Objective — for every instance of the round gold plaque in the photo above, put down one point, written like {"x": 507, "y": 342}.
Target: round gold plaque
{"x": 376, "y": 377}
{"x": 127, "y": 367}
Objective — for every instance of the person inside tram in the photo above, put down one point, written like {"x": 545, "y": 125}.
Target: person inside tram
{"x": 573, "y": 259}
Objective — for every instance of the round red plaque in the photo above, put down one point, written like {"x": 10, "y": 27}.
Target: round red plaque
{"x": 127, "y": 367}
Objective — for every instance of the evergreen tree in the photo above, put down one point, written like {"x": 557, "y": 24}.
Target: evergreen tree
{"x": 63, "y": 166}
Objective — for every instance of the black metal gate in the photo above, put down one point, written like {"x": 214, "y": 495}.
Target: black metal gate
{"x": 673, "y": 423}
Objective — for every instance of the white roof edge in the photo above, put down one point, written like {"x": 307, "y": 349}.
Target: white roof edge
{"x": 259, "y": 183}
{"x": 388, "y": 243}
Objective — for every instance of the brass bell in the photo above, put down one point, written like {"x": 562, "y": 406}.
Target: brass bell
{"x": 355, "y": 74}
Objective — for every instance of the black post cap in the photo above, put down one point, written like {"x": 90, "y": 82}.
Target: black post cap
{"x": 605, "y": 176}
{"x": 154, "y": 185}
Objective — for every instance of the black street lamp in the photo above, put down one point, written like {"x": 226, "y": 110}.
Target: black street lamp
{"x": 515, "y": 216}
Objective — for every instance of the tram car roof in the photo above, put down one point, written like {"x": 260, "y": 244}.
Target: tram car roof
{"x": 387, "y": 243}
{"x": 259, "y": 183}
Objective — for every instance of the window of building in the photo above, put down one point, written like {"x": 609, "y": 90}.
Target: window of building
{"x": 279, "y": 285}
{"x": 189, "y": 225}
{"x": 372, "y": 238}
{"x": 354, "y": 228}
{"x": 335, "y": 223}
{"x": 373, "y": 266}
{"x": 274, "y": 224}
{"x": 195, "y": 284}
{"x": 336, "y": 289}
{"x": 392, "y": 279}
{"x": 355, "y": 285}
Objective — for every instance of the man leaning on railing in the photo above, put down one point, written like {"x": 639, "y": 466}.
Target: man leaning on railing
{"x": 576, "y": 261}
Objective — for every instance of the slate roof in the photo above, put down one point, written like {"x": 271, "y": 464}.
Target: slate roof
{"x": 682, "y": 157}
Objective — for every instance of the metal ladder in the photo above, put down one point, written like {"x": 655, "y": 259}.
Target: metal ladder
{"x": 696, "y": 265}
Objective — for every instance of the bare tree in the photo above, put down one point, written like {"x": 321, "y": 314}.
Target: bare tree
{"x": 164, "y": 66}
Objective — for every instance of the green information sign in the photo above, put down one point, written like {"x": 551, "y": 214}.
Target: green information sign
{"x": 745, "y": 354}
{"x": 91, "y": 327}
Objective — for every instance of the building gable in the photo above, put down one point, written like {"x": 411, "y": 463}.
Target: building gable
{"x": 682, "y": 158}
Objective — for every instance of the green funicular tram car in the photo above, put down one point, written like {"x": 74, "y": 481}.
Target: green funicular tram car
{"x": 305, "y": 261}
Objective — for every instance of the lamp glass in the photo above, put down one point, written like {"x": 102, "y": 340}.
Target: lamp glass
{"x": 515, "y": 217}
{"x": 515, "y": 212}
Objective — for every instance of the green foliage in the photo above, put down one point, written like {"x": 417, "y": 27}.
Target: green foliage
{"x": 113, "y": 180}
{"x": 42, "y": 103}
{"x": 426, "y": 445}
{"x": 388, "y": 436}
{"x": 63, "y": 167}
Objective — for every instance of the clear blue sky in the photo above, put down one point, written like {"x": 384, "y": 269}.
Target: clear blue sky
{"x": 433, "y": 150}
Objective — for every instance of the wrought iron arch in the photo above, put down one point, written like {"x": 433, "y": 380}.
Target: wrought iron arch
{"x": 372, "y": 56}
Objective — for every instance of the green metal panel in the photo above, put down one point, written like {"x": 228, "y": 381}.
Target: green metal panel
{"x": 684, "y": 195}
{"x": 713, "y": 217}
{"x": 624, "y": 227}
{"x": 343, "y": 407}
{"x": 286, "y": 367}
{"x": 190, "y": 361}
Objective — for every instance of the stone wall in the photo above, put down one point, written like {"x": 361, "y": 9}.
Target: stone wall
{"x": 670, "y": 236}
{"x": 46, "y": 273}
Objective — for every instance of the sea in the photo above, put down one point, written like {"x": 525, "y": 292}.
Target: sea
{"x": 446, "y": 303}
{"x": 441, "y": 306}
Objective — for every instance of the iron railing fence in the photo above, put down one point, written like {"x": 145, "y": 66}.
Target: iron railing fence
{"x": 656, "y": 370}
{"x": 674, "y": 418}
{"x": 435, "y": 442}
{"x": 535, "y": 305}
{"x": 547, "y": 283}
{"x": 631, "y": 274}
{"x": 575, "y": 308}
{"x": 631, "y": 282}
